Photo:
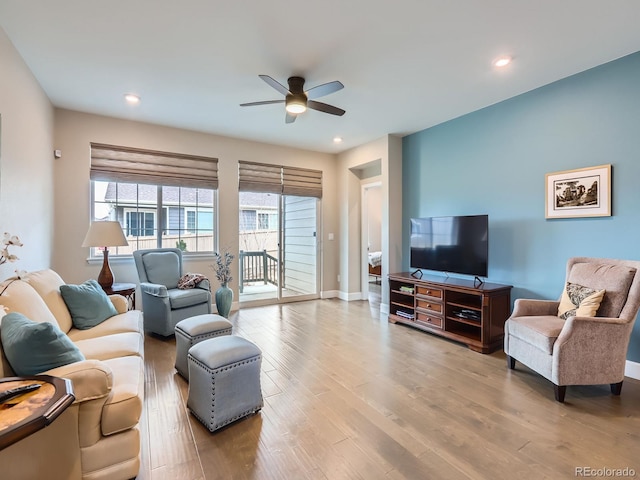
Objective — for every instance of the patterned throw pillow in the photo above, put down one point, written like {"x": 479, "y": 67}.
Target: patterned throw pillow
{"x": 580, "y": 301}
{"x": 190, "y": 280}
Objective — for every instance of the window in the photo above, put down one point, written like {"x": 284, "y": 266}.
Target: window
{"x": 267, "y": 221}
{"x": 191, "y": 220}
{"x": 263, "y": 221}
{"x": 247, "y": 220}
{"x": 139, "y": 224}
{"x": 154, "y": 216}
{"x": 161, "y": 199}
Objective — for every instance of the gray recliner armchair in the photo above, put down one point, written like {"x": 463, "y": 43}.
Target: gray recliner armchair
{"x": 581, "y": 348}
{"x": 163, "y": 303}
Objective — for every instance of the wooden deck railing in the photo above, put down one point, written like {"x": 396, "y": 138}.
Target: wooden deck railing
{"x": 257, "y": 267}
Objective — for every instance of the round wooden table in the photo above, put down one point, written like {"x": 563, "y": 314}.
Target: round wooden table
{"x": 26, "y": 414}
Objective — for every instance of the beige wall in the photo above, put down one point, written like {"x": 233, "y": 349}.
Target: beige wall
{"x": 26, "y": 162}
{"x": 73, "y": 133}
{"x": 388, "y": 150}
{"x": 374, "y": 220}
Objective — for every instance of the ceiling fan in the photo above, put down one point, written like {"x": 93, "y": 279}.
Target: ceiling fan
{"x": 297, "y": 100}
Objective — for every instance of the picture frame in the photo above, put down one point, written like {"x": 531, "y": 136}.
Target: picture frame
{"x": 583, "y": 192}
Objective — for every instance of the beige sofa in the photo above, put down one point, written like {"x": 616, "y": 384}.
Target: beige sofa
{"x": 97, "y": 437}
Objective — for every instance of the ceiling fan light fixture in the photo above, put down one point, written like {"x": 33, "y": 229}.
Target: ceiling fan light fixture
{"x": 297, "y": 100}
{"x": 296, "y": 108}
{"x": 295, "y": 104}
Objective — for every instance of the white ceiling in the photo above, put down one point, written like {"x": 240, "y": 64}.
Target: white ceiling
{"x": 406, "y": 64}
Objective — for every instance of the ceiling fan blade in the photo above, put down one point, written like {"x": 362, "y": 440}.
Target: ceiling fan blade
{"x": 324, "y": 89}
{"x": 275, "y": 84}
{"x": 290, "y": 118}
{"x": 266, "y": 102}
{"x": 323, "y": 107}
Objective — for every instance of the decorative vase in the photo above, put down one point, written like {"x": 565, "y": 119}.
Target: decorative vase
{"x": 224, "y": 298}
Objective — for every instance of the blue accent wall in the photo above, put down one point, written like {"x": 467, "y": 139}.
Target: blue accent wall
{"x": 493, "y": 161}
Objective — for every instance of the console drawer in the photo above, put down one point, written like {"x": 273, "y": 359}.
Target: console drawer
{"x": 429, "y": 320}
{"x": 429, "y": 305}
{"x": 429, "y": 291}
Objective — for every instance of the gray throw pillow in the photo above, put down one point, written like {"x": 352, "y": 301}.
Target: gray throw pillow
{"x": 88, "y": 304}
{"x": 32, "y": 347}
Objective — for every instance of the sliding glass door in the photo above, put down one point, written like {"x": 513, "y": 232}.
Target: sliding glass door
{"x": 278, "y": 247}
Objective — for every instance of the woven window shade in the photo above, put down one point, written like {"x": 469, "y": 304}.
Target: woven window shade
{"x": 301, "y": 182}
{"x": 132, "y": 165}
{"x": 259, "y": 177}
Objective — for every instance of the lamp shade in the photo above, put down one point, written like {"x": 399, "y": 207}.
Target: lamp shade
{"x": 105, "y": 234}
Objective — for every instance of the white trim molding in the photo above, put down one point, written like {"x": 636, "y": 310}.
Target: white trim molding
{"x": 350, "y": 297}
{"x": 632, "y": 370}
{"x": 329, "y": 294}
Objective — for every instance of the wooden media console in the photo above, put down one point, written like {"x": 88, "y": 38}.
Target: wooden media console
{"x": 469, "y": 312}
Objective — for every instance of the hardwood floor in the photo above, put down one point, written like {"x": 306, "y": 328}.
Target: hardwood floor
{"x": 349, "y": 396}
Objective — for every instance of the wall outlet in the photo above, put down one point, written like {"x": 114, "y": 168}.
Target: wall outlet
{"x": 338, "y": 278}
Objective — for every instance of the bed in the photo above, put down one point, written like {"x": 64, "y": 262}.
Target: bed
{"x": 375, "y": 265}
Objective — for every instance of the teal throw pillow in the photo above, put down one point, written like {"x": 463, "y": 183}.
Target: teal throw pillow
{"x": 88, "y": 304}
{"x": 32, "y": 348}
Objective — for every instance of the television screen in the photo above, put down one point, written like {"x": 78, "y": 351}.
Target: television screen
{"x": 457, "y": 244}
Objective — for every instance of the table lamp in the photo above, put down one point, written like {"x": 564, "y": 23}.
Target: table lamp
{"x": 105, "y": 234}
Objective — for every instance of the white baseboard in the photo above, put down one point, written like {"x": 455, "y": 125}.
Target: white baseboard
{"x": 632, "y": 370}
{"x": 350, "y": 297}
{"x": 329, "y": 294}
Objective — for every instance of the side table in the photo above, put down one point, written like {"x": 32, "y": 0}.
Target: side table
{"x": 127, "y": 290}
{"x": 26, "y": 414}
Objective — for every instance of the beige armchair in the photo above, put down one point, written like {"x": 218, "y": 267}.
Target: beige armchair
{"x": 581, "y": 349}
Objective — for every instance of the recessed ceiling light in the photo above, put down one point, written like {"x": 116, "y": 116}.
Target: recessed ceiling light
{"x": 131, "y": 98}
{"x": 337, "y": 139}
{"x": 502, "y": 61}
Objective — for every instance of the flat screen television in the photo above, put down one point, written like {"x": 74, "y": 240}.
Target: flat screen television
{"x": 456, "y": 244}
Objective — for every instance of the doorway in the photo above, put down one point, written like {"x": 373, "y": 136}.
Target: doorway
{"x": 371, "y": 278}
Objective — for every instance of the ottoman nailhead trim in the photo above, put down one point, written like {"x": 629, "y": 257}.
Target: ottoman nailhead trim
{"x": 213, "y": 391}
{"x": 225, "y": 367}
{"x": 204, "y": 336}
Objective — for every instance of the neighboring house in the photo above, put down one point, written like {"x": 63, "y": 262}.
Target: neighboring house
{"x": 258, "y": 222}
{"x": 185, "y": 210}
{"x": 185, "y": 219}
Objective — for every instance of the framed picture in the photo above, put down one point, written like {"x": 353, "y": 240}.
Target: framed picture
{"x": 585, "y": 192}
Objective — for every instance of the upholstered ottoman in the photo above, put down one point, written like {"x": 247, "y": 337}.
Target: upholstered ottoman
{"x": 194, "y": 330}
{"x": 224, "y": 380}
